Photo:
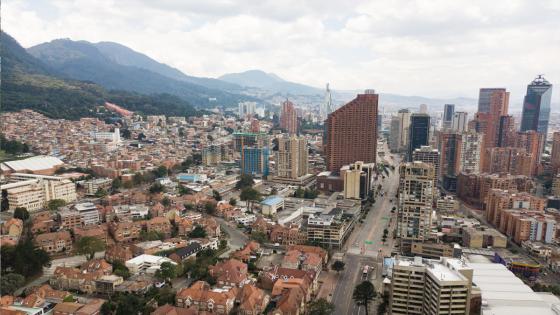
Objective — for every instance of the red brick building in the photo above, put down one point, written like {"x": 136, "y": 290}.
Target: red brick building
{"x": 288, "y": 118}
{"x": 352, "y": 132}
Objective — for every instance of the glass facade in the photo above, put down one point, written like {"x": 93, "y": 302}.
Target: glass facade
{"x": 536, "y": 106}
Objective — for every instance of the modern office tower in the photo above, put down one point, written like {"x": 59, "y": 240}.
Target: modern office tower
{"x": 506, "y": 131}
{"x": 494, "y": 101}
{"x": 394, "y": 135}
{"x": 555, "y": 153}
{"x": 448, "y": 114}
{"x": 247, "y": 108}
{"x": 288, "y": 118}
{"x": 255, "y": 161}
{"x": 536, "y": 106}
{"x": 418, "y": 132}
{"x": 327, "y": 106}
{"x": 352, "y": 132}
{"x": 429, "y": 155}
{"x": 470, "y": 152}
{"x": 460, "y": 122}
{"x": 404, "y": 125}
{"x": 423, "y": 109}
{"x": 533, "y": 142}
{"x": 430, "y": 286}
{"x": 358, "y": 178}
{"x": 416, "y": 197}
{"x": 291, "y": 158}
{"x": 449, "y": 146}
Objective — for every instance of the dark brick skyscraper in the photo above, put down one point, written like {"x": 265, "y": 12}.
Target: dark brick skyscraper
{"x": 352, "y": 132}
{"x": 288, "y": 118}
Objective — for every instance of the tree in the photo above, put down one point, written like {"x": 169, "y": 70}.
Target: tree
{"x": 210, "y": 207}
{"x": 216, "y": 195}
{"x": 125, "y": 133}
{"x": 54, "y": 204}
{"x": 363, "y": 294}
{"x": 156, "y": 188}
{"x": 338, "y": 266}
{"x": 88, "y": 246}
{"x": 101, "y": 192}
{"x": 166, "y": 271}
{"x": 183, "y": 190}
{"x": 10, "y": 282}
{"x": 320, "y": 307}
{"x": 198, "y": 232}
{"x": 260, "y": 237}
{"x": 24, "y": 258}
{"x": 116, "y": 184}
{"x": 245, "y": 181}
{"x": 232, "y": 201}
{"x": 166, "y": 202}
{"x": 161, "y": 171}
{"x": 120, "y": 269}
{"x": 21, "y": 213}
{"x": 151, "y": 236}
{"x": 250, "y": 195}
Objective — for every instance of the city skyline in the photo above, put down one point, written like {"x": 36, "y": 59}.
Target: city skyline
{"x": 406, "y": 41}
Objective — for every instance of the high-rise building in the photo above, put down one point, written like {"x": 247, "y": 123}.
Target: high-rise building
{"x": 418, "y": 132}
{"x": 394, "y": 135}
{"x": 404, "y": 125}
{"x": 470, "y": 152}
{"x": 327, "y": 106}
{"x": 533, "y": 142}
{"x": 555, "y": 153}
{"x": 358, "y": 180}
{"x": 429, "y": 286}
{"x": 246, "y": 108}
{"x": 352, "y": 132}
{"x": 460, "y": 121}
{"x": 494, "y": 101}
{"x": 508, "y": 160}
{"x": 288, "y": 118}
{"x": 450, "y": 145}
{"x": 448, "y": 114}
{"x": 291, "y": 158}
{"x": 416, "y": 197}
{"x": 423, "y": 109}
{"x": 429, "y": 155}
{"x": 506, "y": 131}
{"x": 536, "y": 106}
{"x": 255, "y": 161}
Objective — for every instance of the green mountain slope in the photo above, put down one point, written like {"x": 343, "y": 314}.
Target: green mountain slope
{"x": 29, "y": 83}
{"x": 82, "y": 60}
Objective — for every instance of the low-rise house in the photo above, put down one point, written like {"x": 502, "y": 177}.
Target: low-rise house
{"x": 290, "y": 302}
{"x": 252, "y": 300}
{"x": 119, "y": 252}
{"x": 184, "y": 226}
{"x": 230, "y": 273}
{"x": 268, "y": 279}
{"x": 160, "y": 225}
{"x": 45, "y": 293}
{"x": 13, "y": 228}
{"x": 285, "y": 236}
{"x": 55, "y": 242}
{"x": 96, "y": 231}
{"x": 43, "y": 222}
{"x": 184, "y": 253}
{"x": 173, "y": 310}
{"x": 125, "y": 231}
{"x": 134, "y": 287}
{"x": 106, "y": 284}
{"x": 68, "y": 278}
{"x": 98, "y": 266}
{"x": 211, "y": 226}
{"x": 311, "y": 249}
{"x": 92, "y": 307}
{"x": 246, "y": 252}
{"x": 201, "y": 298}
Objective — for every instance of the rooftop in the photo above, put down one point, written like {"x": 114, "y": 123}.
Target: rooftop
{"x": 272, "y": 200}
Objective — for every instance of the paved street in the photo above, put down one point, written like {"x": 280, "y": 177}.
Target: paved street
{"x": 358, "y": 253}
{"x": 236, "y": 240}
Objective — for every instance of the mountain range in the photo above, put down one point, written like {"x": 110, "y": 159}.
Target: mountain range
{"x": 27, "y": 82}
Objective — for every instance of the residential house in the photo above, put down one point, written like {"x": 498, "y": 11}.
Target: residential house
{"x": 246, "y": 252}
{"x": 125, "y": 231}
{"x": 184, "y": 253}
{"x": 252, "y": 300}
{"x": 232, "y": 273}
{"x": 119, "y": 252}
{"x": 168, "y": 309}
{"x": 160, "y": 225}
{"x": 200, "y": 297}
{"x": 55, "y": 242}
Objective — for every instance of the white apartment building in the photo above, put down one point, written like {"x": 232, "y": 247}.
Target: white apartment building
{"x": 146, "y": 264}
{"x": 89, "y": 213}
{"x": 114, "y": 137}
{"x": 35, "y": 191}
{"x": 429, "y": 287}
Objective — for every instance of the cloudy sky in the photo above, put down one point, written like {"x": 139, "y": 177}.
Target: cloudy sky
{"x": 429, "y": 48}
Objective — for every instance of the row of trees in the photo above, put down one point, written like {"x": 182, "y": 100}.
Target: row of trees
{"x": 13, "y": 147}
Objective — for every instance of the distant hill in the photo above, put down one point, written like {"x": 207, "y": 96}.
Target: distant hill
{"x": 269, "y": 82}
{"x": 83, "y": 60}
{"x": 28, "y": 83}
{"x": 127, "y": 57}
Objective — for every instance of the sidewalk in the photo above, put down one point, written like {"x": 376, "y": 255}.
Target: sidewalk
{"x": 328, "y": 281}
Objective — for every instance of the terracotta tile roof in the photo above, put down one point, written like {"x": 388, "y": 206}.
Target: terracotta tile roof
{"x": 200, "y": 291}
{"x": 229, "y": 271}
{"x": 52, "y": 237}
{"x": 7, "y": 300}
{"x": 290, "y": 301}
{"x": 173, "y": 310}
{"x": 67, "y": 307}
{"x": 251, "y": 298}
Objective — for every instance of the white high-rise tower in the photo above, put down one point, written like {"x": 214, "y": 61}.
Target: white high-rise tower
{"x": 327, "y": 107}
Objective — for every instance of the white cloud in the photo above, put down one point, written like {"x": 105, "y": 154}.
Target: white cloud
{"x": 431, "y": 48}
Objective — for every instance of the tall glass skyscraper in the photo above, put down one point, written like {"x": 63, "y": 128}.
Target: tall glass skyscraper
{"x": 536, "y": 106}
{"x": 418, "y": 132}
{"x": 448, "y": 113}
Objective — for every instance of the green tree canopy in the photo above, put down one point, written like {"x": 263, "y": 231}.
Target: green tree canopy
{"x": 54, "y": 204}
{"x": 198, "y": 232}
{"x": 363, "y": 294}
{"x": 232, "y": 201}
{"x": 21, "y": 213}
{"x": 88, "y": 246}
{"x": 24, "y": 258}
{"x": 216, "y": 195}
{"x": 10, "y": 282}
{"x": 156, "y": 188}
{"x": 167, "y": 271}
{"x": 320, "y": 307}
{"x": 338, "y": 266}
{"x": 101, "y": 192}
{"x": 245, "y": 181}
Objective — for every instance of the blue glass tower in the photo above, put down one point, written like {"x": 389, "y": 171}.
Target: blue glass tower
{"x": 536, "y": 106}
